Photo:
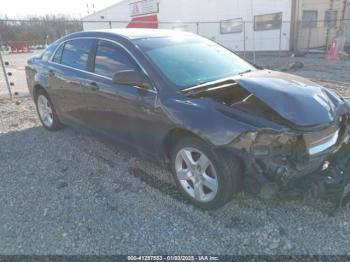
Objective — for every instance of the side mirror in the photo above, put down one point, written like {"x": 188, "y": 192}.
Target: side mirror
{"x": 131, "y": 77}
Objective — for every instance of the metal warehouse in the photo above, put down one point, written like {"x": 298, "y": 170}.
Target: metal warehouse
{"x": 261, "y": 25}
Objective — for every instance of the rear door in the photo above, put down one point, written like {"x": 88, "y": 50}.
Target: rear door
{"x": 67, "y": 71}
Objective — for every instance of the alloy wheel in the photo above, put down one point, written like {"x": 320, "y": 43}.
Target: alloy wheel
{"x": 196, "y": 174}
{"x": 45, "y": 110}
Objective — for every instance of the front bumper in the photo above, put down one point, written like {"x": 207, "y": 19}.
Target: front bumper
{"x": 280, "y": 163}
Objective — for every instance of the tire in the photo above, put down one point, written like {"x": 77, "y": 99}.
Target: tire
{"x": 46, "y": 111}
{"x": 226, "y": 170}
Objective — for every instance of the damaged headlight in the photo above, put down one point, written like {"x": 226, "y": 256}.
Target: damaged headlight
{"x": 266, "y": 142}
{"x": 271, "y": 155}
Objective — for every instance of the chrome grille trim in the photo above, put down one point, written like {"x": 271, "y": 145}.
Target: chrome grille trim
{"x": 327, "y": 144}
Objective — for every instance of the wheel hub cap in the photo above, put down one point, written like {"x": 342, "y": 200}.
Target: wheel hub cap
{"x": 45, "y": 111}
{"x": 196, "y": 174}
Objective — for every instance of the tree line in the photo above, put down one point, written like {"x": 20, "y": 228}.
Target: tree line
{"x": 37, "y": 30}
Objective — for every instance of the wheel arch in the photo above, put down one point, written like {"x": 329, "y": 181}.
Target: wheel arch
{"x": 174, "y": 135}
{"x": 228, "y": 169}
{"x": 36, "y": 89}
{"x": 178, "y": 133}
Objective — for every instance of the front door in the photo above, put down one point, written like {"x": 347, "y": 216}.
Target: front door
{"x": 116, "y": 109}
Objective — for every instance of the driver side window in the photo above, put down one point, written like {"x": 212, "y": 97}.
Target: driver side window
{"x": 111, "y": 59}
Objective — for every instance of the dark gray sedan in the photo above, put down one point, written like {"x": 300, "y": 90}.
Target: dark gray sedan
{"x": 219, "y": 121}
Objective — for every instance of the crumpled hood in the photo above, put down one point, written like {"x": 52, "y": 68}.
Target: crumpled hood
{"x": 300, "y": 101}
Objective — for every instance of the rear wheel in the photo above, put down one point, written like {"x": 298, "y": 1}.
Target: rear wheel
{"x": 46, "y": 111}
{"x": 208, "y": 179}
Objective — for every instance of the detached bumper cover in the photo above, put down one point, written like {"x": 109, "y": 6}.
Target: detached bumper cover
{"x": 337, "y": 184}
{"x": 331, "y": 182}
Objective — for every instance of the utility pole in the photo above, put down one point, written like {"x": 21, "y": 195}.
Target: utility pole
{"x": 343, "y": 23}
{"x": 252, "y": 15}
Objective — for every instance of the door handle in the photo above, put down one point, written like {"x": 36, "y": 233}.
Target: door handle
{"x": 94, "y": 86}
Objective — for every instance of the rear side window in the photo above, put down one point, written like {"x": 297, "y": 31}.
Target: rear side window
{"x": 111, "y": 59}
{"x": 57, "y": 57}
{"x": 48, "y": 52}
{"x": 76, "y": 52}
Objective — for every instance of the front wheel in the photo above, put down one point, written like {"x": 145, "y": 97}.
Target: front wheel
{"x": 208, "y": 179}
{"x": 46, "y": 111}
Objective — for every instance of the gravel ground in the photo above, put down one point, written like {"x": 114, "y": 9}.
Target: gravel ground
{"x": 315, "y": 66}
{"x": 66, "y": 192}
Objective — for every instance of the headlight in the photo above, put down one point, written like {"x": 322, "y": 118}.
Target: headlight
{"x": 266, "y": 142}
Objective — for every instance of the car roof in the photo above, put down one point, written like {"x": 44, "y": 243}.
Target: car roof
{"x": 138, "y": 33}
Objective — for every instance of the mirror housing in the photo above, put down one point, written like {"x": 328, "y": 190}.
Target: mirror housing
{"x": 131, "y": 77}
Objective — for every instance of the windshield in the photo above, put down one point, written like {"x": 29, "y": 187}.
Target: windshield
{"x": 191, "y": 60}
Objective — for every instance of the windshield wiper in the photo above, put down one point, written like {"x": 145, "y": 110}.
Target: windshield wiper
{"x": 244, "y": 72}
{"x": 203, "y": 84}
{"x": 207, "y": 86}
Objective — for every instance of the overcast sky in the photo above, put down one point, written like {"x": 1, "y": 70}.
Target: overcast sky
{"x": 74, "y": 8}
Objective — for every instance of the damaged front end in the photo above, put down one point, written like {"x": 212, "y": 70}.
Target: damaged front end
{"x": 308, "y": 165}
{"x": 297, "y": 144}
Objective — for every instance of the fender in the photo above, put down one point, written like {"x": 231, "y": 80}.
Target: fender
{"x": 193, "y": 115}
{"x": 34, "y": 76}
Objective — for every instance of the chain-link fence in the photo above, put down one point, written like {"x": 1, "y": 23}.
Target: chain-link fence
{"x": 318, "y": 35}
{"x": 240, "y": 37}
{"x": 270, "y": 44}
{"x": 249, "y": 37}
{"x": 20, "y": 39}
{"x": 235, "y": 34}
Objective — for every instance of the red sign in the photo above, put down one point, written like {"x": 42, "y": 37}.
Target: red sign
{"x": 150, "y": 21}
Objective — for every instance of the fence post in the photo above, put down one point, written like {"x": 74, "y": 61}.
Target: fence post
{"x": 5, "y": 74}
{"x": 309, "y": 40}
{"x": 197, "y": 24}
{"x": 280, "y": 41}
{"x": 297, "y": 41}
{"x": 244, "y": 39}
{"x": 110, "y": 24}
{"x": 254, "y": 60}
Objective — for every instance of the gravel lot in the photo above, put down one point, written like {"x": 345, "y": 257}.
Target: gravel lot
{"x": 68, "y": 193}
{"x": 315, "y": 66}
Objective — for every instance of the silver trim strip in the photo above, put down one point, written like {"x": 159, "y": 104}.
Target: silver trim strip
{"x": 154, "y": 90}
{"x": 319, "y": 148}
{"x": 221, "y": 86}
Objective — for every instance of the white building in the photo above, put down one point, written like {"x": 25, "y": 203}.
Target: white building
{"x": 220, "y": 20}
{"x": 347, "y": 25}
{"x": 241, "y": 25}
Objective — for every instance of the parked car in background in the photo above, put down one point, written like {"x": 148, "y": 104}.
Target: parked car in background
{"x": 221, "y": 122}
